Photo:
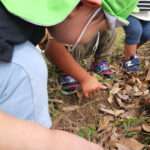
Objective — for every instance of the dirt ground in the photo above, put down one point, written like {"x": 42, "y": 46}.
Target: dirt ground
{"x": 117, "y": 118}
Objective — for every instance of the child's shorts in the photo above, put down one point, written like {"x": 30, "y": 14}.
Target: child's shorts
{"x": 23, "y": 85}
{"x": 137, "y": 31}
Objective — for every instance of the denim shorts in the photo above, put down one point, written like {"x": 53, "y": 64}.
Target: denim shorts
{"x": 23, "y": 85}
{"x": 137, "y": 31}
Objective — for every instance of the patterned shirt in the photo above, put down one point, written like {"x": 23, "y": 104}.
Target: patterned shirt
{"x": 144, "y": 5}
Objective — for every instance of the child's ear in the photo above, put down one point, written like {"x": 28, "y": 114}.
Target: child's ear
{"x": 94, "y": 3}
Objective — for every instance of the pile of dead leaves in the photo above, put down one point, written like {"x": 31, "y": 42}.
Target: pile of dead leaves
{"x": 126, "y": 122}
{"x": 121, "y": 116}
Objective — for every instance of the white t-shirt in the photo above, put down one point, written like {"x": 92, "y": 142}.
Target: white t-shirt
{"x": 144, "y": 6}
{"x": 143, "y": 15}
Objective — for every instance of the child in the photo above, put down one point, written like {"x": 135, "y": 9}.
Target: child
{"x": 23, "y": 92}
{"x": 137, "y": 33}
{"x": 101, "y": 46}
{"x": 17, "y": 134}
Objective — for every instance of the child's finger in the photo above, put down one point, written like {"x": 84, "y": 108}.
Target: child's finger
{"x": 102, "y": 86}
{"x": 86, "y": 94}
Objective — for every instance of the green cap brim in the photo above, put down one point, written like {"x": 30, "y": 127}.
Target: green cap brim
{"x": 41, "y": 12}
{"x": 119, "y": 8}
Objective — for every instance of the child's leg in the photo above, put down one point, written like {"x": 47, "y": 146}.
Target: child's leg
{"x": 129, "y": 50}
{"x": 23, "y": 81}
{"x": 146, "y": 31}
{"x": 104, "y": 48}
{"x": 106, "y": 43}
{"x": 84, "y": 51}
{"x": 133, "y": 34}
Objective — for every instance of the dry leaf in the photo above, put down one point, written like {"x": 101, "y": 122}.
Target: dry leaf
{"x": 138, "y": 94}
{"x": 110, "y": 98}
{"x": 131, "y": 144}
{"x": 70, "y": 108}
{"x": 129, "y": 88}
{"x": 111, "y": 112}
{"x": 131, "y": 81}
{"x": 132, "y": 113}
{"x": 118, "y": 112}
{"x": 56, "y": 101}
{"x": 143, "y": 86}
{"x": 114, "y": 136}
{"x": 146, "y": 64}
{"x": 129, "y": 107}
{"x": 105, "y": 123}
{"x": 146, "y": 92}
{"x": 146, "y": 127}
{"x": 80, "y": 94}
{"x": 115, "y": 89}
{"x": 122, "y": 147}
{"x": 109, "y": 85}
{"x": 135, "y": 88}
{"x": 138, "y": 81}
{"x": 148, "y": 75}
{"x": 120, "y": 102}
{"x": 135, "y": 129}
{"x": 123, "y": 97}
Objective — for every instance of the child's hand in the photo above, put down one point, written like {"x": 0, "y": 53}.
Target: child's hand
{"x": 91, "y": 86}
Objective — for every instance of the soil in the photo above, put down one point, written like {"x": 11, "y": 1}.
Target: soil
{"x": 86, "y": 116}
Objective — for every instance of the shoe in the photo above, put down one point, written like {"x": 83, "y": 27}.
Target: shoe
{"x": 68, "y": 83}
{"x": 132, "y": 64}
{"x": 102, "y": 68}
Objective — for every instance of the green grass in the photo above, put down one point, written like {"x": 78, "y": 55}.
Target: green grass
{"x": 87, "y": 132}
{"x": 127, "y": 123}
{"x": 119, "y": 40}
{"x": 54, "y": 112}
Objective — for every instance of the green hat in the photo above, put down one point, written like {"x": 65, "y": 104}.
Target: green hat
{"x": 121, "y": 9}
{"x": 41, "y": 12}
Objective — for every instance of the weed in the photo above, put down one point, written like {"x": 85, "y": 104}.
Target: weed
{"x": 147, "y": 141}
{"x": 87, "y": 132}
{"x": 127, "y": 124}
{"x": 54, "y": 112}
{"x": 129, "y": 134}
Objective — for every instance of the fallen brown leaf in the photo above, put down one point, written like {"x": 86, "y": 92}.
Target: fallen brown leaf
{"x": 135, "y": 129}
{"x": 115, "y": 89}
{"x": 112, "y": 112}
{"x": 56, "y": 101}
{"x": 128, "y": 88}
{"x": 70, "y": 108}
{"x": 120, "y": 103}
{"x": 122, "y": 147}
{"x": 148, "y": 75}
{"x": 131, "y": 81}
{"x": 132, "y": 113}
{"x": 105, "y": 123}
{"x": 130, "y": 144}
{"x": 111, "y": 98}
{"x": 123, "y": 97}
{"x": 80, "y": 94}
{"x": 146, "y": 127}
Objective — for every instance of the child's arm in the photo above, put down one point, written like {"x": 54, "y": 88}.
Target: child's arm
{"x": 17, "y": 134}
{"x": 64, "y": 60}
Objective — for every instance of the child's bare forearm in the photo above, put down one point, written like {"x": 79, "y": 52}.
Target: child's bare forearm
{"x": 17, "y": 134}
{"x": 64, "y": 60}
